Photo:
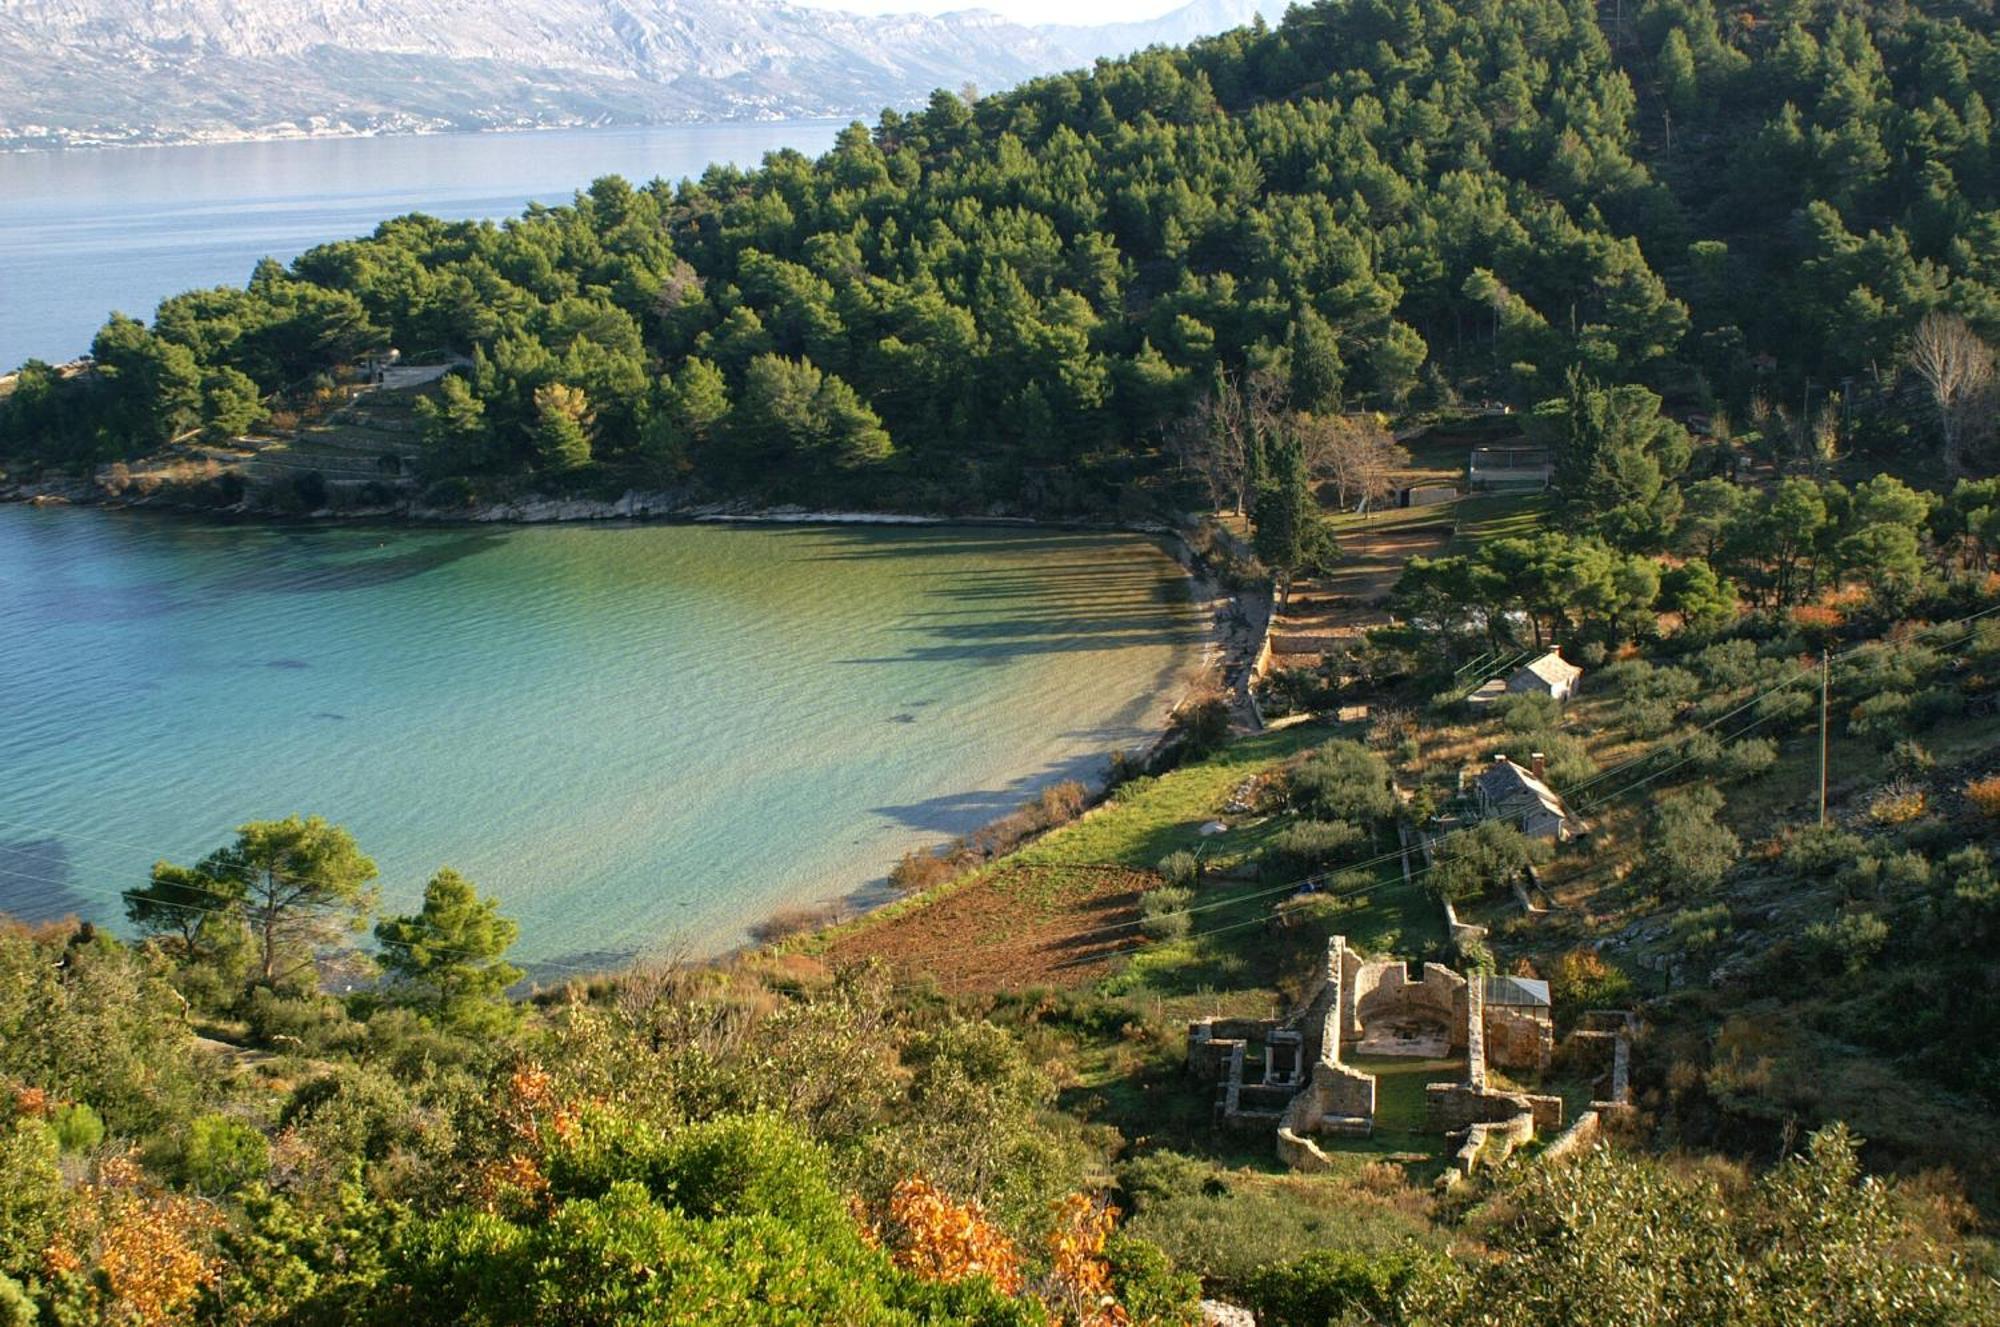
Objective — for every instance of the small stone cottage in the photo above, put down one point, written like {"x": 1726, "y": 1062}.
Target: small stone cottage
{"x": 1517, "y": 794}
{"x": 1549, "y": 675}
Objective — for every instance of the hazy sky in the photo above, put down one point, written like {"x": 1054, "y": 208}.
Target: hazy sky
{"x": 1025, "y": 11}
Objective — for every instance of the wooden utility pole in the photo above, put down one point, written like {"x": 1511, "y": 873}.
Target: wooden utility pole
{"x": 1825, "y": 671}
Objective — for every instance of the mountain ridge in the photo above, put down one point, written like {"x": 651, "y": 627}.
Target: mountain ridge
{"x": 94, "y": 72}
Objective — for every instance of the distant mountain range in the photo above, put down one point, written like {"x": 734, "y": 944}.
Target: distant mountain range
{"x": 81, "y": 72}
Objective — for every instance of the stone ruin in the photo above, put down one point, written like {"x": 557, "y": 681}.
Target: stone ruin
{"x": 1291, "y": 1076}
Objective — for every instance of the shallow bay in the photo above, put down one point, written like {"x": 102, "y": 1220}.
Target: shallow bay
{"x": 642, "y": 738}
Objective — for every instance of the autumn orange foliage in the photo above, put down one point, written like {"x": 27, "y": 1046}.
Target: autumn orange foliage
{"x": 531, "y": 1095}
{"x": 1984, "y": 794}
{"x": 928, "y": 1234}
{"x": 530, "y": 1111}
{"x": 1818, "y": 619}
{"x": 149, "y": 1247}
{"x": 1079, "y": 1291}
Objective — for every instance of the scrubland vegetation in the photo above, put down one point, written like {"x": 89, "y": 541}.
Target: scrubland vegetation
{"x": 1733, "y": 267}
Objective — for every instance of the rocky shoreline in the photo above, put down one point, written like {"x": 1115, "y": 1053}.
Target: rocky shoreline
{"x": 528, "y": 509}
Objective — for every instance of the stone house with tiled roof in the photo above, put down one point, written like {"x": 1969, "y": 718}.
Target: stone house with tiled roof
{"x": 1549, "y": 675}
{"x": 1510, "y": 792}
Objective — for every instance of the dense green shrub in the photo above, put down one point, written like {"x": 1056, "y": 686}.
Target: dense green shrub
{"x": 1343, "y": 780}
{"x": 1588, "y": 1241}
{"x": 1199, "y": 727}
{"x": 32, "y": 1194}
{"x": 1180, "y": 869}
{"x": 297, "y": 1024}
{"x": 1488, "y": 856}
{"x": 1646, "y": 717}
{"x": 1701, "y": 931}
{"x": 1582, "y": 980}
{"x": 1308, "y": 846}
{"x": 1847, "y": 945}
{"x": 1527, "y": 711}
{"x": 1202, "y": 1216}
{"x": 222, "y": 1154}
{"x": 1686, "y": 850}
{"x": 735, "y": 1219}
{"x": 1822, "y": 849}
{"x": 1910, "y": 759}
{"x": 1334, "y": 1286}
{"x": 84, "y": 1018}
{"x": 1745, "y": 758}
{"x": 16, "y": 1309}
{"x": 1148, "y": 1285}
{"x": 1163, "y": 912}
{"x": 77, "y": 1127}
{"x": 1784, "y": 709}
{"x": 1883, "y": 717}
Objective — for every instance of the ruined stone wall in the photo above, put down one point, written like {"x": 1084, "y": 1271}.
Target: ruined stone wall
{"x": 1334, "y": 1090}
{"x": 1211, "y": 1042}
{"x": 1339, "y": 1100}
{"x": 1579, "y": 1137}
{"x": 1490, "y": 1144}
{"x": 1383, "y": 991}
{"x": 1320, "y": 1025}
{"x": 1475, "y": 1035}
{"x": 1518, "y": 1038}
{"x": 1449, "y": 1107}
{"x": 1604, "y": 1043}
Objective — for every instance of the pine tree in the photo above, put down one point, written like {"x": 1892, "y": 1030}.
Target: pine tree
{"x": 446, "y": 957}
{"x": 562, "y": 427}
{"x": 1317, "y": 371}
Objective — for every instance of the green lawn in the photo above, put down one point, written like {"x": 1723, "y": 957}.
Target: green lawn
{"x": 1479, "y": 517}
{"x": 1399, "y": 1093}
{"x": 1497, "y": 516}
{"x": 1149, "y": 820}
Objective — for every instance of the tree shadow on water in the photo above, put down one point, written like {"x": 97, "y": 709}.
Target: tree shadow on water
{"x": 964, "y": 811}
{"x": 879, "y": 543}
{"x": 328, "y": 565}
{"x": 36, "y": 876}
{"x": 995, "y": 614}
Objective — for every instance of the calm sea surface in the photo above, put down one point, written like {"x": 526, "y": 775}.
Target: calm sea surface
{"x": 640, "y": 738}
{"x": 85, "y": 232}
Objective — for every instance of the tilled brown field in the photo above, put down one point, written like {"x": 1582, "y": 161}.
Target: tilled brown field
{"x": 1325, "y": 610}
{"x": 1024, "y": 925}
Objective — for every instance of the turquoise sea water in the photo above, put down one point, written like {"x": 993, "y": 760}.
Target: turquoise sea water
{"x": 641, "y": 738}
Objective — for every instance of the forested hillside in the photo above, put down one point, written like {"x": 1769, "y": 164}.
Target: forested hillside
{"x": 1016, "y": 303}
{"x": 1735, "y": 269}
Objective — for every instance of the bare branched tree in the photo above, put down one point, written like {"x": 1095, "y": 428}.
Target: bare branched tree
{"x": 1216, "y": 438}
{"x": 1354, "y": 453}
{"x": 1957, "y": 367}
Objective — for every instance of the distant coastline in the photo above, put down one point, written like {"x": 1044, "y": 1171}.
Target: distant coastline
{"x": 85, "y": 141}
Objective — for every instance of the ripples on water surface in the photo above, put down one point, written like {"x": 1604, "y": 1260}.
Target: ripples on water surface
{"x": 640, "y": 738}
